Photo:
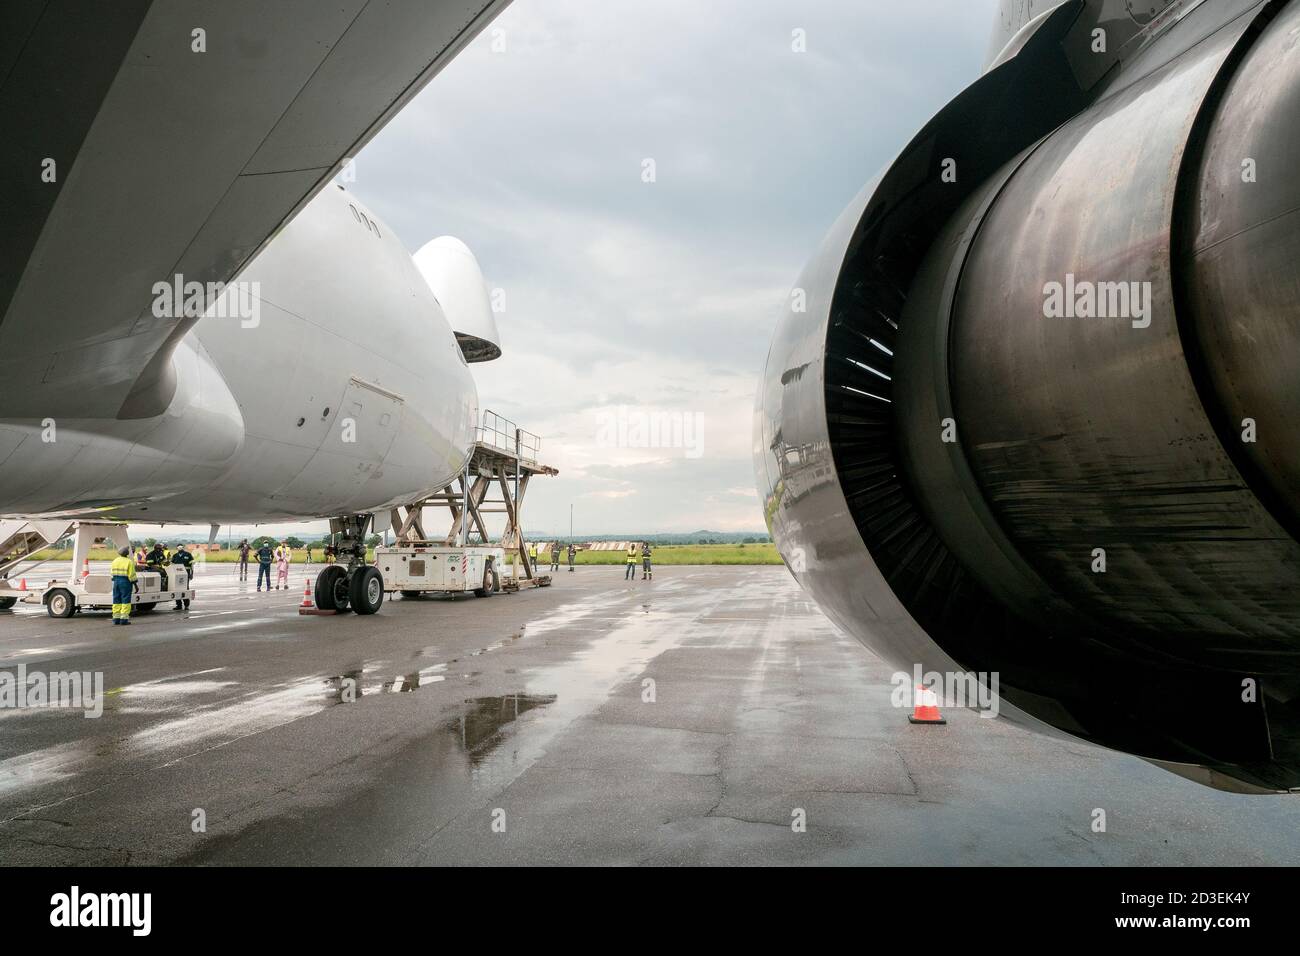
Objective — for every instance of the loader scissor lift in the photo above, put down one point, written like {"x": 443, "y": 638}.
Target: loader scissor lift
{"x": 502, "y": 463}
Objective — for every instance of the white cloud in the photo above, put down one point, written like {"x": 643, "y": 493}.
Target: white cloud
{"x": 656, "y": 296}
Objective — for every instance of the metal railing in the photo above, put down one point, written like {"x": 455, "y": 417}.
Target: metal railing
{"x": 500, "y": 432}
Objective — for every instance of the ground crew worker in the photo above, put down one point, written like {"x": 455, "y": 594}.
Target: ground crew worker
{"x": 186, "y": 560}
{"x": 124, "y": 581}
{"x": 631, "y": 562}
{"x": 244, "y": 551}
{"x": 140, "y": 555}
{"x": 532, "y": 555}
{"x": 156, "y": 560}
{"x": 309, "y": 554}
{"x": 264, "y": 557}
{"x": 572, "y": 552}
{"x": 647, "y": 572}
{"x": 555, "y": 555}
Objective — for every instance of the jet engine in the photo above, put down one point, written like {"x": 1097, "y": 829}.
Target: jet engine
{"x": 1032, "y": 408}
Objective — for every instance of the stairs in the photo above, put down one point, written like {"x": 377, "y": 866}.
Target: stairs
{"x": 20, "y": 537}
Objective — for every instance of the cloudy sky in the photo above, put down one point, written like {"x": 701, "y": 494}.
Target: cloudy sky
{"x": 625, "y": 298}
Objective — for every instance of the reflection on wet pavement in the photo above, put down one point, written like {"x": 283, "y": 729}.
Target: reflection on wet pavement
{"x": 486, "y": 720}
{"x": 536, "y": 707}
{"x": 231, "y": 720}
{"x": 43, "y": 767}
{"x": 487, "y": 743}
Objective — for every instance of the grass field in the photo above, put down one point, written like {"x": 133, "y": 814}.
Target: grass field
{"x": 680, "y": 554}
{"x": 665, "y": 554}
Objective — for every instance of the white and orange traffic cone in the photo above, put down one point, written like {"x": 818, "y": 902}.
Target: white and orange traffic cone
{"x": 306, "y": 596}
{"x": 22, "y": 584}
{"x": 85, "y": 568}
{"x": 926, "y": 710}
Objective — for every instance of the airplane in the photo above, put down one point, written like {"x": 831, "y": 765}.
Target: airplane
{"x": 1031, "y": 408}
{"x": 197, "y": 323}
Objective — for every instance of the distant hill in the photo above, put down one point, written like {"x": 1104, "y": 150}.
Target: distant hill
{"x": 686, "y": 537}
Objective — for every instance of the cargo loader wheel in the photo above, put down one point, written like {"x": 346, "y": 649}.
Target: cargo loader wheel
{"x": 7, "y": 603}
{"x": 332, "y": 588}
{"x": 366, "y": 589}
{"x": 491, "y": 583}
{"x": 60, "y": 603}
{"x": 411, "y": 595}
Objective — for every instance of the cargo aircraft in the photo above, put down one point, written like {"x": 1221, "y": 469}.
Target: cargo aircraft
{"x": 198, "y": 323}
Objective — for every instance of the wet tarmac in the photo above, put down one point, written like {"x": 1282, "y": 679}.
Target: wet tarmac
{"x": 694, "y": 719}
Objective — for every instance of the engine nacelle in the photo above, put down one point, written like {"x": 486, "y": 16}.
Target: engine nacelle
{"x": 1057, "y": 393}
{"x": 454, "y": 275}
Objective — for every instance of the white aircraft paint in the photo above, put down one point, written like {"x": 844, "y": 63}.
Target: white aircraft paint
{"x": 349, "y": 394}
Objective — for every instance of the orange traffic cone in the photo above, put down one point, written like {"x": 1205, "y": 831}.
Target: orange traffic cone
{"x": 926, "y": 710}
{"x": 306, "y": 595}
{"x": 85, "y": 568}
{"x": 22, "y": 584}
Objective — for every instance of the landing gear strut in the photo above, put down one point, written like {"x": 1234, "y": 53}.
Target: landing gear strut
{"x": 354, "y": 585}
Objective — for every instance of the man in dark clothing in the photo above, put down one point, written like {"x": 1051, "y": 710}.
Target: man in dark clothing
{"x": 265, "y": 555}
{"x": 555, "y": 556}
{"x": 186, "y": 560}
{"x": 572, "y": 552}
{"x": 244, "y": 551}
{"x": 156, "y": 560}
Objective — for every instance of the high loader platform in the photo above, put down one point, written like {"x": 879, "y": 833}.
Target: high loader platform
{"x": 495, "y": 481}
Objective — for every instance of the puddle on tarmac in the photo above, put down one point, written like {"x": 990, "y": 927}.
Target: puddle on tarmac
{"x": 497, "y": 646}
{"x": 487, "y": 721}
{"x": 488, "y": 745}
{"x": 567, "y": 615}
{"x": 361, "y": 682}
{"x": 401, "y": 802}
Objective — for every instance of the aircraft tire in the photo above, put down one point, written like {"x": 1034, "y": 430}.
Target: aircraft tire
{"x": 328, "y": 590}
{"x": 366, "y": 590}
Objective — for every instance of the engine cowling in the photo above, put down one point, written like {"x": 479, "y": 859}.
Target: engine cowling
{"x": 1034, "y": 419}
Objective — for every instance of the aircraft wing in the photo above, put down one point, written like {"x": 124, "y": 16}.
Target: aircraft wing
{"x": 169, "y": 160}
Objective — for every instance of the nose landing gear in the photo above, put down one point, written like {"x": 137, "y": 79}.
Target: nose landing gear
{"x": 356, "y": 586}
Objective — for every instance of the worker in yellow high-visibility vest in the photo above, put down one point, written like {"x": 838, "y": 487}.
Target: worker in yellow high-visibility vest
{"x": 123, "y": 571}
{"x": 631, "y": 562}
